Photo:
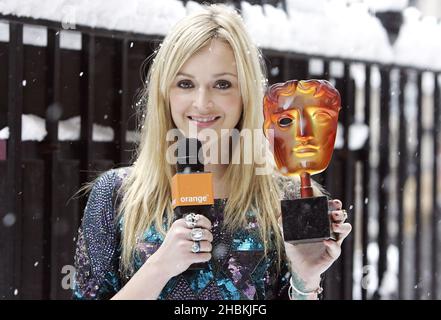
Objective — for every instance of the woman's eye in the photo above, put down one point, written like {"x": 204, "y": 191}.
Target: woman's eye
{"x": 285, "y": 122}
{"x": 223, "y": 84}
{"x": 185, "y": 84}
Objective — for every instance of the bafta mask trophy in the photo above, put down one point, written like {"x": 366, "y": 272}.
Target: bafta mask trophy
{"x": 301, "y": 122}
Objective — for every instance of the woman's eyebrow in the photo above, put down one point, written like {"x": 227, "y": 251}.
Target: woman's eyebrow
{"x": 184, "y": 74}
{"x": 214, "y": 75}
{"x": 225, "y": 74}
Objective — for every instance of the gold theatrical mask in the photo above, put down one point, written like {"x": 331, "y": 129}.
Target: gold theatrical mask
{"x": 302, "y": 117}
{"x": 301, "y": 124}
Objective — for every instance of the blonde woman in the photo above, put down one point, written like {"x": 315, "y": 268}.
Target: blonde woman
{"x": 206, "y": 74}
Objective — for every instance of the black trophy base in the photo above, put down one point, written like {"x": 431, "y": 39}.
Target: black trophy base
{"x": 306, "y": 220}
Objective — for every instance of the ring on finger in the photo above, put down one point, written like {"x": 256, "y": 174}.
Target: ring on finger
{"x": 190, "y": 224}
{"x": 345, "y": 214}
{"x": 196, "y": 247}
{"x": 191, "y": 219}
{"x": 196, "y": 234}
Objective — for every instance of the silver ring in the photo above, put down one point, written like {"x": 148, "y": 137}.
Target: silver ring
{"x": 345, "y": 214}
{"x": 196, "y": 247}
{"x": 191, "y": 220}
{"x": 196, "y": 234}
{"x": 190, "y": 224}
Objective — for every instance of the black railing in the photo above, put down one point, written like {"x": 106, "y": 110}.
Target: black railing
{"x": 38, "y": 179}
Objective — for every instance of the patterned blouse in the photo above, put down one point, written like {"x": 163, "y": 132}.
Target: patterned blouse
{"x": 238, "y": 268}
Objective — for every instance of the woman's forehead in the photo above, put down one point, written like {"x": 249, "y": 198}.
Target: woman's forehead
{"x": 217, "y": 57}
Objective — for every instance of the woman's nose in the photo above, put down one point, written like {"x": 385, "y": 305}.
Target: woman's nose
{"x": 202, "y": 100}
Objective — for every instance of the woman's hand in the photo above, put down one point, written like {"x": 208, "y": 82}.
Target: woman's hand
{"x": 310, "y": 260}
{"x": 175, "y": 254}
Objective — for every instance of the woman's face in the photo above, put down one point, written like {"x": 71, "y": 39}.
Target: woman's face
{"x": 205, "y": 92}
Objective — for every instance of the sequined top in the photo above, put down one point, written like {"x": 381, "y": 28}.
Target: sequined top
{"x": 238, "y": 268}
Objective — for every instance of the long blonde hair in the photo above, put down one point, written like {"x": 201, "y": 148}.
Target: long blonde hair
{"x": 146, "y": 192}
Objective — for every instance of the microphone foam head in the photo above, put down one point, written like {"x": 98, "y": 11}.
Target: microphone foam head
{"x": 188, "y": 159}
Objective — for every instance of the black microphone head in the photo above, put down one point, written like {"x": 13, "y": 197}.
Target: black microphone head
{"x": 188, "y": 160}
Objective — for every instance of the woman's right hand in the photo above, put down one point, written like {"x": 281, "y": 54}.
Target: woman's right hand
{"x": 175, "y": 254}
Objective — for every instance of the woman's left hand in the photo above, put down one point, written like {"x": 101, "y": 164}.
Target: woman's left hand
{"x": 310, "y": 260}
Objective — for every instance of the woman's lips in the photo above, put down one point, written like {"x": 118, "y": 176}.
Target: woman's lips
{"x": 203, "y": 122}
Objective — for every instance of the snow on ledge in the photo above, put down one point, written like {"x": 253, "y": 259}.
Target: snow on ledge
{"x": 4, "y": 133}
{"x": 70, "y": 40}
{"x": 70, "y": 129}
{"x": 35, "y": 35}
{"x": 358, "y": 135}
{"x": 34, "y": 129}
{"x": 4, "y": 31}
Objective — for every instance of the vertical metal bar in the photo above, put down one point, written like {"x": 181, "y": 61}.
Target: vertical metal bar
{"x": 383, "y": 239}
{"x": 294, "y": 68}
{"x": 402, "y": 174}
{"x": 326, "y": 75}
{"x": 2, "y": 150}
{"x": 284, "y": 6}
{"x": 50, "y": 151}
{"x": 418, "y": 228}
{"x": 327, "y": 174}
{"x": 436, "y": 190}
{"x": 123, "y": 83}
{"x": 87, "y": 105}
{"x": 14, "y": 156}
{"x": 308, "y": 75}
{"x": 87, "y": 110}
{"x": 333, "y": 278}
{"x": 366, "y": 175}
{"x": 286, "y": 63}
{"x": 348, "y": 200}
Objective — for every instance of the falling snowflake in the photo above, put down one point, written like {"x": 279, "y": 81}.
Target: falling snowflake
{"x": 275, "y": 71}
{"x": 9, "y": 220}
